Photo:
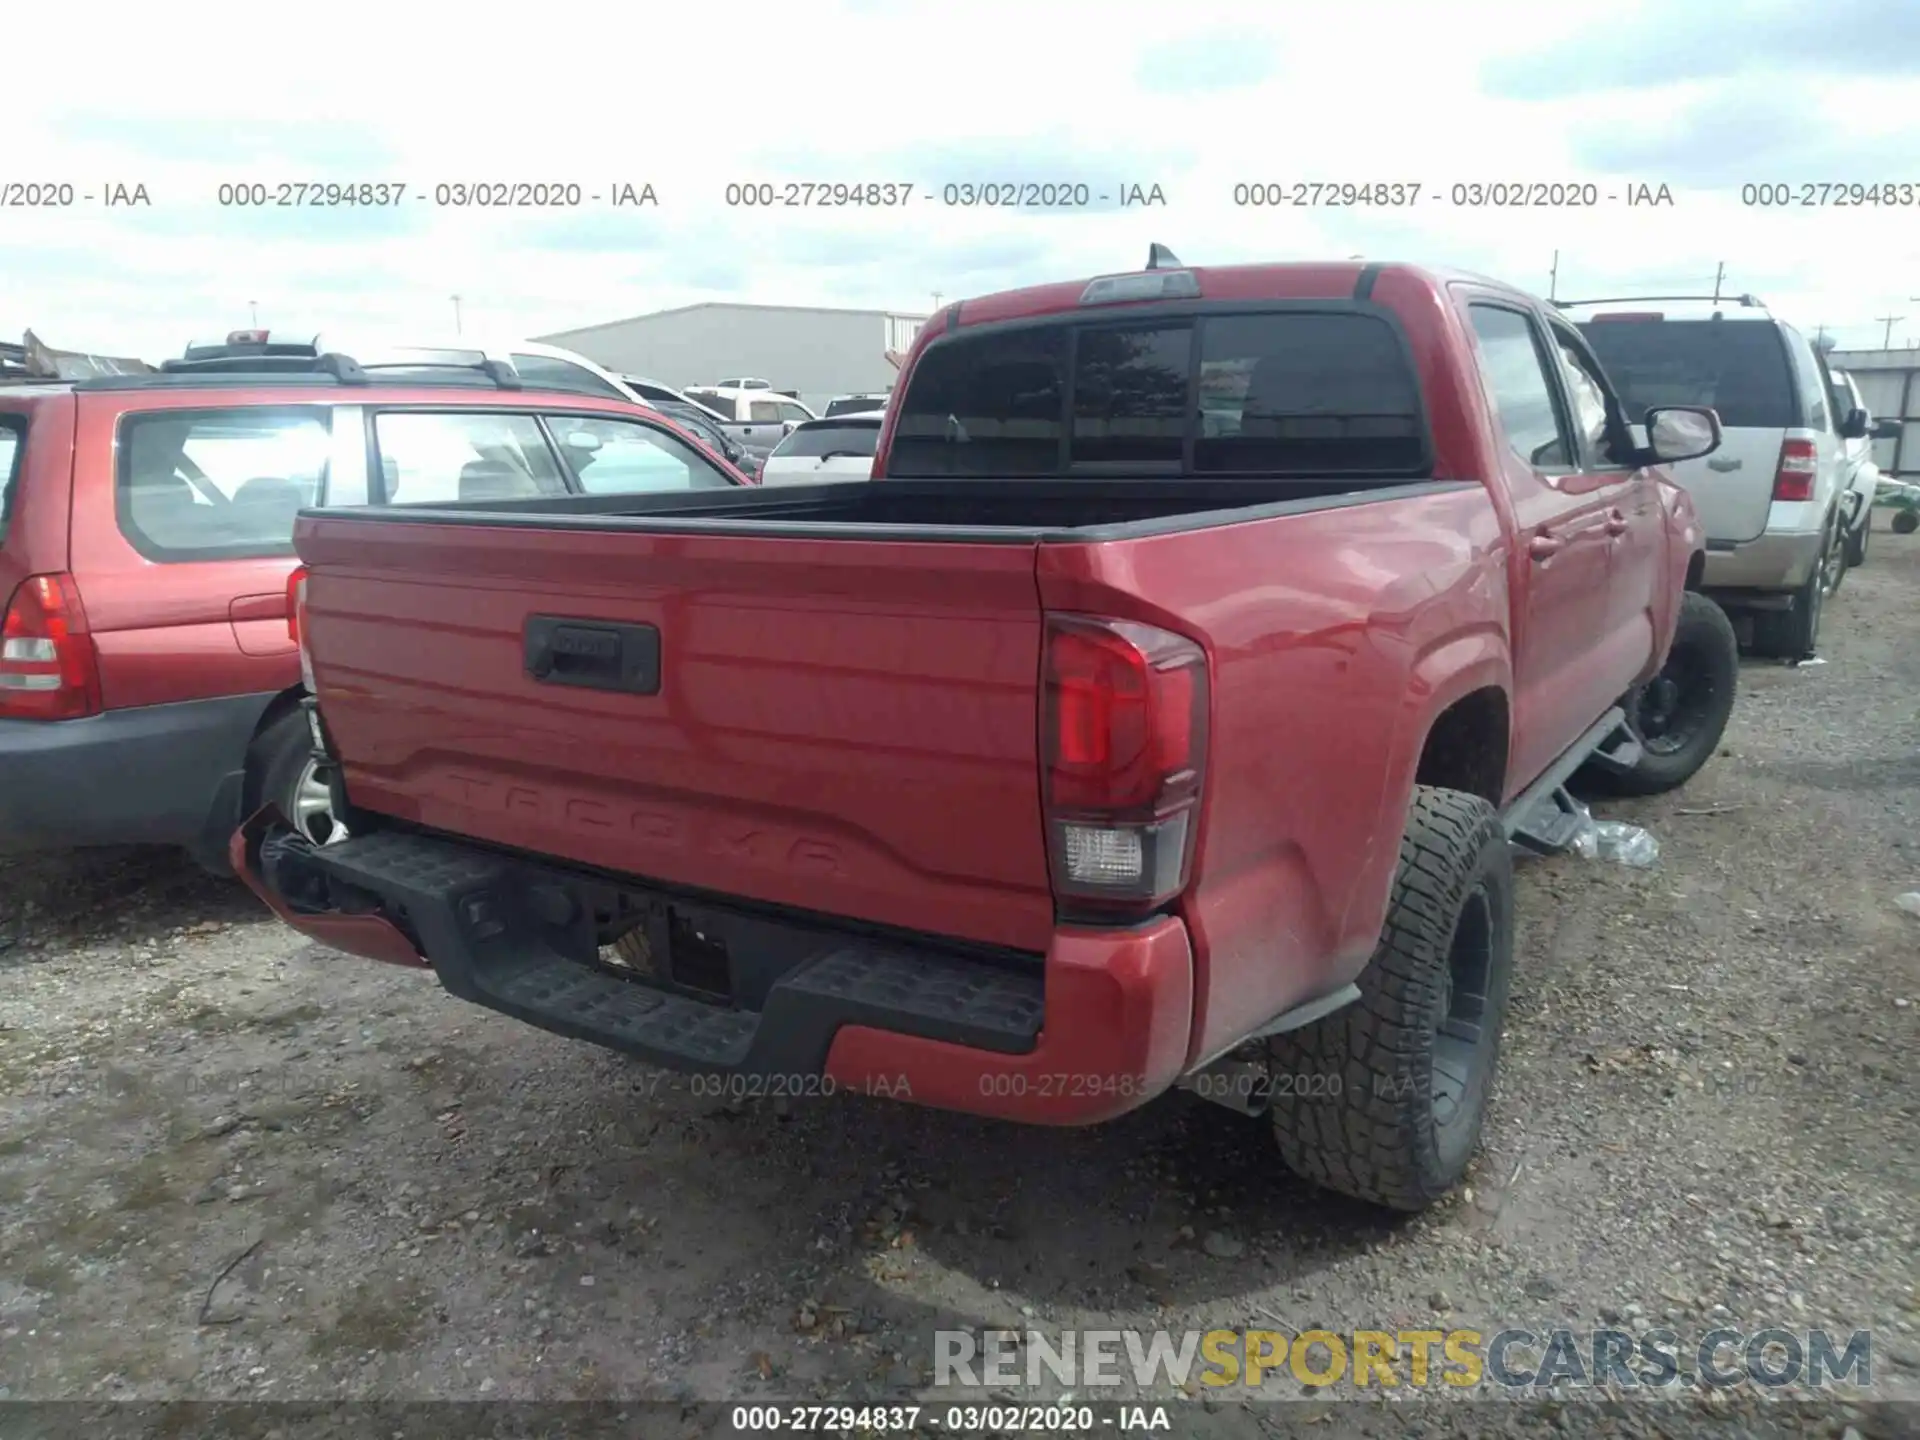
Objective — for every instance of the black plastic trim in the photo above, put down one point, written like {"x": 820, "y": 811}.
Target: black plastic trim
{"x": 1363, "y": 284}
{"x": 519, "y": 514}
{"x": 522, "y": 937}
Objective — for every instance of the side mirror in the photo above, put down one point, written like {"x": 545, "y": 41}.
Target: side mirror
{"x": 1681, "y": 432}
{"x": 584, "y": 440}
{"x": 1887, "y": 428}
{"x": 1855, "y": 425}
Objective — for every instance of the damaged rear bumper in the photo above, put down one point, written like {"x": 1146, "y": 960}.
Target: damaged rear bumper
{"x": 799, "y": 1004}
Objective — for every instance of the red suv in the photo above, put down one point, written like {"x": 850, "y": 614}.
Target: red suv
{"x": 148, "y": 683}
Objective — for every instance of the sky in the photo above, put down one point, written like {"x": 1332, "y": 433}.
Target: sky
{"x": 1698, "y": 96}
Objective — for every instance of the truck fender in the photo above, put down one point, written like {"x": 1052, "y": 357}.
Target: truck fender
{"x": 1445, "y": 674}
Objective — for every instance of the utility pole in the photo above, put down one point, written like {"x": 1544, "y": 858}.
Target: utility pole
{"x": 1719, "y": 274}
{"x": 936, "y": 300}
{"x": 1553, "y": 278}
{"x": 1886, "y": 340}
{"x": 456, "y": 315}
{"x": 1820, "y": 337}
{"x": 253, "y": 309}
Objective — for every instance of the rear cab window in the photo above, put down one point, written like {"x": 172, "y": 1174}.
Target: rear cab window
{"x": 721, "y": 405}
{"x": 13, "y": 458}
{"x": 1291, "y": 391}
{"x": 821, "y": 440}
{"x": 1739, "y": 367}
{"x": 219, "y": 483}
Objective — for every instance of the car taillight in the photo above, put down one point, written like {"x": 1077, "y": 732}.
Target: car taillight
{"x": 1799, "y": 464}
{"x": 1124, "y": 745}
{"x": 297, "y": 623}
{"x": 48, "y": 668}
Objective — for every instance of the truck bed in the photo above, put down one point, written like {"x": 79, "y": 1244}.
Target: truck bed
{"x": 1008, "y": 511}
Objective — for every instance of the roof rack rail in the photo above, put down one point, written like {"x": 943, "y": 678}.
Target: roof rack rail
{"x": 347, "y": 369}
{"x": 1750, "y": 301}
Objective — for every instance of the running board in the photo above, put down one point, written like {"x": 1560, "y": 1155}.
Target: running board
{"x": 1544, "y": 818}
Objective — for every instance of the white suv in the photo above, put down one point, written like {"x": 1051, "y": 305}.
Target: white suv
{"x": 1773, "y": 497}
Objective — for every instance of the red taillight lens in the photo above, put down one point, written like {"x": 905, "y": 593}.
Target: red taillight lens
{"x": 1799, "y": 465}
{"x": 297, "y": 623}
{"x": 1125, "y": 735}
{"x": 48, "y": 668}
{"x": 296, "y": 595}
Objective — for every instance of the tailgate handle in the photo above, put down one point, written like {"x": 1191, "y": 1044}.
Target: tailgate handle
{"x": 595, "y": 654}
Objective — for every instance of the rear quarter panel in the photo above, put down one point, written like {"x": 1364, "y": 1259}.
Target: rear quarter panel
{"x": 1334, "y": 637}
{"x": 167, "y": 631}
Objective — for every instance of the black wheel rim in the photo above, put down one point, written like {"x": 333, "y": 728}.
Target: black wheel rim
{"x": 1672, "y": 708}
{"x": 1460, "y": 1044}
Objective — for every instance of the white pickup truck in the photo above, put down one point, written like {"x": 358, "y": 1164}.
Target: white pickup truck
{"x": 758, "y": 417}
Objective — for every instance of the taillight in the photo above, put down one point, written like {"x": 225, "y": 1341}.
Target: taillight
{"x": 48, "y": 668}
{"x": 297, "y": 623}
{"x": 1124, "y": 750}
{"x": 1799, "y": 464}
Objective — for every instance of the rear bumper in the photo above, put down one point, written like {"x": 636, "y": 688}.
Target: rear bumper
{"x": 1096, "y": 1028}
{"x": 155, "y": 774}
{"x": 1776, "y": 561}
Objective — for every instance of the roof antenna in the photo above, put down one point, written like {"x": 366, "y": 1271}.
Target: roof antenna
{"x": 1159, "y": 257}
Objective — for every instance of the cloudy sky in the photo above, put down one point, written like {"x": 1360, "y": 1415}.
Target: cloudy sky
{"x": 1701, "y": 96}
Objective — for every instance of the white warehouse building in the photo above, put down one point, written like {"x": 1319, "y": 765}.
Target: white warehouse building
{"x": 814, "y": 352}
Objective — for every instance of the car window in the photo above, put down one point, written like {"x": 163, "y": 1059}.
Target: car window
{"x": 212, "y": 484}
{"x": 853, "y": 405}
{"x": 1739, "y": 367}
{"x": 13, "y": 451}
{"x": 1512, "y": 365}
{"x": 610, "y": 457}
{"x": 763, "y": 412}
{"x": 820, "y": 441}
{"x": 798, "y": 414}
{"x": 1271, "y": 394}
{"x": 446, "y": 457}
{"x": 1810, "y": 374}
{"x": 543, "y": 372}
{"x": 721, "y": 405}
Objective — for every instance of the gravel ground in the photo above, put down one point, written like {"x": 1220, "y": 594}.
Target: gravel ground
{"x": 1707, "y": 1115}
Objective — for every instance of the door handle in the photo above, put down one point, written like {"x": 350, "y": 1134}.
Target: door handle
{"x": 1543, "y": 545}
{"x": 1616, "y": 523}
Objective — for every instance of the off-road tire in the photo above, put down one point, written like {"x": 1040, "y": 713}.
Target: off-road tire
{"x": 1857, "y": 540}
{"x": 1706, "y": 650}
{"x": 1794, "y": 634}
{"x": 1905, "y": 522}
{"x": 1352, "y": 1098}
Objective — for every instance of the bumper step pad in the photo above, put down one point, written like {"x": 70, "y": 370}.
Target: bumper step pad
{"x": 495, "y": 935}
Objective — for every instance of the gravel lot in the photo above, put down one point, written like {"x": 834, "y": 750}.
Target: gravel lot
{"x": 1707, "y": 1115}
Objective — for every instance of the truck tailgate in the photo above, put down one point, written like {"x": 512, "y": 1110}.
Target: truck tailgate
{"x": 842, "y": 726}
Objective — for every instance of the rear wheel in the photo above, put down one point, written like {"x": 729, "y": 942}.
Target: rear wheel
{"x": 282, "y": 772}
{"x": 1794, "y": 634}
{"x": 1384, "y": 1100}
{"x": 1680, "y": 714}
{"x": 1905, "y": 522}
{"x": 1857, "y": 540}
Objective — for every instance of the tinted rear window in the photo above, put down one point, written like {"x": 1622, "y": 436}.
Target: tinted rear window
{"x": 1739, "y": 367}
{"x": 13, "y": 451}
{"x": 719, "y": 404}
{"x": 818, "y": 441}
{"x": 1278, "y": 393}
{"x": 855, "y": 406}
{"x": 219, "y": 484}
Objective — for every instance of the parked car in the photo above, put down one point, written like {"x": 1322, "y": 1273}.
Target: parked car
{"x": 1858, "y": 469}
{"x": 148, "y": 684}
{"x": 707, "y": 428}
{"x": 838, "y": 448}
{"x": 1066, "y": 761}
{"x": 855, "y": 404}
{"x": 756, "y": 417}
{"x": 1773, "y": 497}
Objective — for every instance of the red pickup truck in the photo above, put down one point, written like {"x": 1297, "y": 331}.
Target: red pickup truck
{"x": 1172, "y": 695}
